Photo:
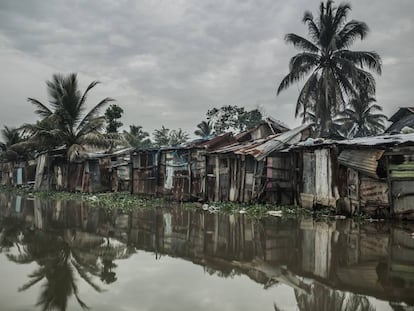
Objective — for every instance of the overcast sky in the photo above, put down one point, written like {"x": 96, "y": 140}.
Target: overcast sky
{"x": 167, "y": 62}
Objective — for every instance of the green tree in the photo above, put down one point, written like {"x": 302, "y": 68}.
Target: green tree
{"x": 165, "y": 137}
{"x": 9, "y": 149}
{"x": 362, "y": 117}
{"x": 161, "y": 136}
{"x": 177, "y": 137}
{"x": 334, "y": 72}
{"x": 137, "y": 137}
{"x": 112, "y": 114}
{"x": 233, "y": 118}
{"x": 204, "y": 129}
{"x": 71, "y": 127}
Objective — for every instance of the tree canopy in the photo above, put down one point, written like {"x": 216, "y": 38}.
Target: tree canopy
{"x": 233, "y": 118}
{"x": 112, "y": 114}
{"x": 334, "y": 72}
{"x": 64, "y": 121}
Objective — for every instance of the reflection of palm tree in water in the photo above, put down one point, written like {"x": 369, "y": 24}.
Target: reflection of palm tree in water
{"x": 60, "y": 257}
{"x": 109, "y": 252}
{"x": 324, "y": 298}
{"x": 10, "y": 231}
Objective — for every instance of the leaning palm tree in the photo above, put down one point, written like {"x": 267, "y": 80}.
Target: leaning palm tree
{"x": 334, "y": 72}
{"x": 362, "y": 117}
{"x": 204, "y": 129}
{"x": 71, "y": 126}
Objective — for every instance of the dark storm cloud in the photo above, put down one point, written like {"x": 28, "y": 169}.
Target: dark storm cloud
{"x": 167, "y": 62}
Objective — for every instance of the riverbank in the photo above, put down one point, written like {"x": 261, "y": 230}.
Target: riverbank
{"x": 126, "y": 202}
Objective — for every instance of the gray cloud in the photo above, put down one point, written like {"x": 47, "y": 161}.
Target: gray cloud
{"x": 168, "y": 62}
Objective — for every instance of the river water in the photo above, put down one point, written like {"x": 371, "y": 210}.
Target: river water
{"x": 63, "y": 255}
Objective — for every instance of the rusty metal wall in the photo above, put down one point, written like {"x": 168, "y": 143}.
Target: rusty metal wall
{"x": 278, "y": 187}
{"x": 144, "y": 172}
{"x": 364, "y": 161}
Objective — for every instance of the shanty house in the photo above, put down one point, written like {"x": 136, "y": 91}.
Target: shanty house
{"x": 93, "y": 172}
{"x": 370, "y": 174}
{"x": 257, "y": 170}
{"x": 175, "y": 171}
{"x": 145, "y": 171}
{"x": 402, "y": 121}
{"x": 316, "y": 167}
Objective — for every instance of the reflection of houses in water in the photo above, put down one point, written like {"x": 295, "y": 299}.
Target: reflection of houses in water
{"x": 374, "y": 259}
{"x": 360, "y": 258}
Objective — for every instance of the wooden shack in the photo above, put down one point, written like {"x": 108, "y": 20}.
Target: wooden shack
{"x": 374, "y": 174}
{"x": 255, "y": 171}
{"x": 145, "y": 171}
{"x": 176, "y": 171}
{"x": 317, "y": 172}
{"x": 91, "y": 173}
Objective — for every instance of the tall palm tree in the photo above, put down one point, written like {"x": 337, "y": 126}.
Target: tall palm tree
{"x": 362, "y": 117}
{"x": 72, "y": 127}
{"x": 334, "y": 72}
{"x": 204, "y": 129}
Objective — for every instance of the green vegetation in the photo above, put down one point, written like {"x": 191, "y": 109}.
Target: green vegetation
{"x": 204, "y": 129}
{"x": 167, "y": 137}
{"x": 137, "y": 137}
{"x": 362, "y": 118}
{"x": 8, "y": 148}
{"x": 126, "y": 202}
{"x": 232, "y": 118}
{"x": 112, "y": 114}
{"x": 334, "y": 73}
{"x": 64, "y": 121}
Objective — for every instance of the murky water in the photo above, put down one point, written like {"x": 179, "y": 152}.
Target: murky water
{"x": 64, "y": 256}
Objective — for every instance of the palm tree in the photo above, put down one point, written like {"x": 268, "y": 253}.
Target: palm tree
{"x": 72, "y": 127}
{"x": 137, "y": 137}
{"x": 334, "y": 72}
{"x": 161, "y": 136}
{"x": 361, "y": 119}
{"x": 204, "y": 129}
{"x": 11, "y": 136}
{"x": 177, "y": 137}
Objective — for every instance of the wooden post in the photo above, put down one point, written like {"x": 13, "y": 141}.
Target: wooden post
{"x": 190, "y": 179}
{"x": 243, "y": 178}
{"x": 254, "y": 178}
{"x": 389, "y": 181}
{"x": 217, "y": 179}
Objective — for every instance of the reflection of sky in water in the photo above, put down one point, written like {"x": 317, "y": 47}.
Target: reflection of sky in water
{"x": 174, "y": 284}
{"x": 165, "y": 284}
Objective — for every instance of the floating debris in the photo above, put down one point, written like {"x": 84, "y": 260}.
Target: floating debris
{"x": 275, "y": 213}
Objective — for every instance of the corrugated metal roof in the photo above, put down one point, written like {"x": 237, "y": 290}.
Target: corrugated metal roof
{"x": 364, "y": 161}
{"x": 403, "y": 111}
{"x": 279, "y": 142}
{"x": 382, "y": 140}
{"x": 379, "y": 140}
{"x": 261, "y": 148}
{"x": 209, "y": 143}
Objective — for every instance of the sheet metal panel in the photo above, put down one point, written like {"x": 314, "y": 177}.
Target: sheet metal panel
{"x": 323, "y": 177}
{"x": 364, "y": 161}
{"x": 373, "y": 191}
